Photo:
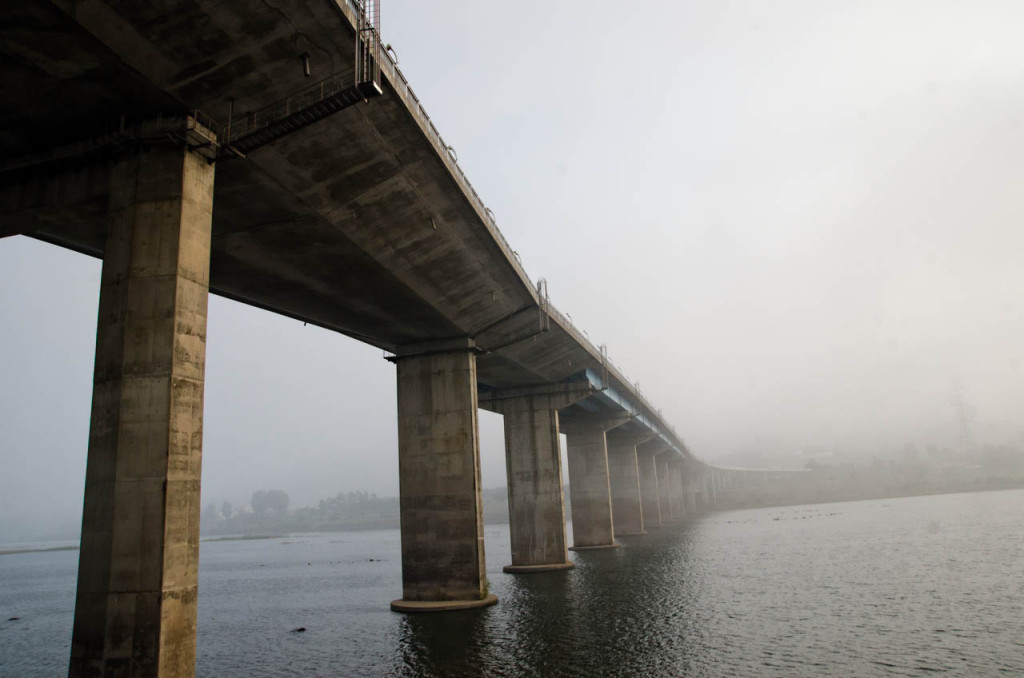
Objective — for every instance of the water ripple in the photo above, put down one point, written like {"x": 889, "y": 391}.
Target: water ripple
{"x": 908, "y": 587}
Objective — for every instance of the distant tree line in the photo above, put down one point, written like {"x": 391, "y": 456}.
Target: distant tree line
{"x": 268, "y": 513}
{"x": 269, "y": 502}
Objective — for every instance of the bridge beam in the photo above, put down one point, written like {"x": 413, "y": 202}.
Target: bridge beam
{"x": 135, "y": 608}
{"x": 647, "y": 464}
{"x": 534, "y": 467}
{"x": 589, "y": 486}
{"x": 439, "y": 479}
{"x": 624, "y": 477}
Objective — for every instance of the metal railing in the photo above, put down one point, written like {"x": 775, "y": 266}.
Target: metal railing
{"x": 368, "y": 43}
{"x": 368, "y": 70}
{"x": 447, "y": 154}
{"x": 613, "y": 370}
{"x": 261, "y": 118}
{"x": 402, "y": 87}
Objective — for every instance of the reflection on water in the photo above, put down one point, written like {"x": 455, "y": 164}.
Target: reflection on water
{"x": 894, "y": 587}
{"x": 454, "y": 643}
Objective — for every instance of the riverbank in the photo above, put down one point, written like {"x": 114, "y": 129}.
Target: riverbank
{"x": 824, "y": 493}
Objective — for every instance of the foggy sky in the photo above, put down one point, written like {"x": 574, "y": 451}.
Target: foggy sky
{"x": 796, "y": 224}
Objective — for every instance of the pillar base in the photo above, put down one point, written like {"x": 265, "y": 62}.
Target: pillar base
{"x": 527, "y": 569}
{"x": 630, "y": 534}
{"x": 596, "y": 548}
{"x": 402, "y": 605}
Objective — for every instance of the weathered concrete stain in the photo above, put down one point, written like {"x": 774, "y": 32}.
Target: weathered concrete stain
{"x": 135, "y": 612}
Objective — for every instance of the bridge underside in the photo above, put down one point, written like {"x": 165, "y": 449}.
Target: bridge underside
{"x": 354, "y": 223}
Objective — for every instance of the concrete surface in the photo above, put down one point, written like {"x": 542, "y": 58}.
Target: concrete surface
{"x": 646, "y": 458}
{"x": 624, "y": 477}
{"x": 135, "y": 611}
{"x": 589, "y": 488}
{"x": 439, "y": 478}
{"x": 534, "y": 470}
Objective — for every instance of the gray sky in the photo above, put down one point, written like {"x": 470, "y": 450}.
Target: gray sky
{"x": 795, "y": 223}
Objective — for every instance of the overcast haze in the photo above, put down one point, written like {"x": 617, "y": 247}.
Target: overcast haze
{"x": 796, "y": 224}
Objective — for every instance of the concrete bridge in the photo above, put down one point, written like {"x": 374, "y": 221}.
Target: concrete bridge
{"x": 336, "y": 202}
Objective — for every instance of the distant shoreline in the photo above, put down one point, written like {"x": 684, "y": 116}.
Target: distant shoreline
{"x": 11, "y": 552}
{"x": 75, "y": 547}
{"x": 721, "y": 506}
{"x": 726, "y": 505}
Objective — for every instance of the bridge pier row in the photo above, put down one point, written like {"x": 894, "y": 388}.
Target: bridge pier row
{"x": 533, "y": 462}
{"x": 135, "y": 606}
{"x": 439, "y": 479}
{"x": 624, "y": 480}
{"x": 589, "y": 485}
{"x": 647, "y": 463}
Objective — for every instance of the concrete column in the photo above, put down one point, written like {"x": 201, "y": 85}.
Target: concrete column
{"x": 689, "y": 489}
{"x": 704, "y": 489}
{"x": 647, "y": 463}
{"x": 682, "y": 489}
{"x": 675, "y": 474}
{"x": 439, "y": 480}
{"x": 624, "y": 477}
{"x": 135, "y": 609}
{"x": 534, "y": 463}
{"x": 664, "y": 488}
{"x": 590, "y": 490}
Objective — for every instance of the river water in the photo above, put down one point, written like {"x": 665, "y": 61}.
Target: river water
{"x": 895, "y": 587}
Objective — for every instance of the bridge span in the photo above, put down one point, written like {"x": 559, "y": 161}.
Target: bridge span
{"x": 336, "y": 202}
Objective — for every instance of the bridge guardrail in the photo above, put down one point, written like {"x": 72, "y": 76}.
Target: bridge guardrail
{"x": 399, "y": 81}
{"x": 389, "y": 65}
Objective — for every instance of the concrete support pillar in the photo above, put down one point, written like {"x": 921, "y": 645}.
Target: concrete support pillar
{"x": 664, "y": 488}
{"x": 689, "y": 489}
{"x": 624, "y": 477}
{"x": 647, "y": 463}
{"x": 677, "y": 504}
{"x": 439, "y": 479}
{"x": 704, "y": 490}
{"x": 135, "y": 609}
{"x": 534, "y": 464}
{"x": 589, "y": 486}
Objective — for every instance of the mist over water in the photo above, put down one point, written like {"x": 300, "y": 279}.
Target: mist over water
{"x": 895, "y": 587}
